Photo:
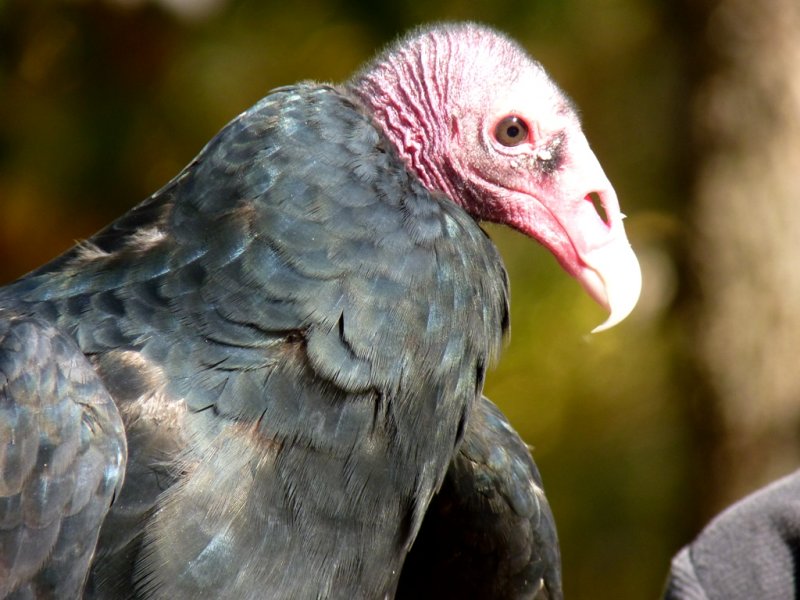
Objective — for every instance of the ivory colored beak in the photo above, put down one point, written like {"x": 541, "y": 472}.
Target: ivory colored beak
{"x": 612, "y": 277}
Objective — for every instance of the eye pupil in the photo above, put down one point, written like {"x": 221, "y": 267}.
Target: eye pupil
{"x": 511, "y": 131}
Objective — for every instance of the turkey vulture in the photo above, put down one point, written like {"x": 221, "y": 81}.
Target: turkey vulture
{"x": 253, "y": 384}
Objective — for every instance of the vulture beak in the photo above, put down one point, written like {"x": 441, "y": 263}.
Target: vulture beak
{"x": 607, "y": 267}
{"x": 612, "y": 277}
{"x": 576, "y": 215}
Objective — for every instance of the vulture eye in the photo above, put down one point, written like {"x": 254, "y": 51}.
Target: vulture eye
{"x": 511, "y": 131}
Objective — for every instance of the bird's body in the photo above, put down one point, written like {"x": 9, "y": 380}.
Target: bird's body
{"x": 294, "y": 332}
{"x": 488, "y": 532}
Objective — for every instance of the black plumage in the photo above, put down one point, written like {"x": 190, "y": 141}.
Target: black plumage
{"x": 489, "y": 531}
{"x": 62, "y": 460}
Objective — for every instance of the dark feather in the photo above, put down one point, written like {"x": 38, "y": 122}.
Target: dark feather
{"x": 278, "y": 326}
{"x": 62, "y": 458}
{"x": 489, "y": 532}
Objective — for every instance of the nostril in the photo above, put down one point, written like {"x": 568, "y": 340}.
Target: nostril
{"x": 599, "y": 207}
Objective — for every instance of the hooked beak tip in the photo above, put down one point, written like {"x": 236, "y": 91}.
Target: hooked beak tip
{"x": 612, "y": 277}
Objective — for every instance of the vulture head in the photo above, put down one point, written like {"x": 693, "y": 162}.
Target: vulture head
{"x": 476, "y": 118}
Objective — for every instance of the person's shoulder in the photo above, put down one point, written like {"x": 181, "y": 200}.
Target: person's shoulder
{"x": 750, "y": 550}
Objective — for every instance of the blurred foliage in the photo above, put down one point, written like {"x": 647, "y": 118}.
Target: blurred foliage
{"x": 102, "y": 102}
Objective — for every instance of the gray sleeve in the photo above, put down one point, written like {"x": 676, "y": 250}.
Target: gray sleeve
{"x": 751, "y": 550}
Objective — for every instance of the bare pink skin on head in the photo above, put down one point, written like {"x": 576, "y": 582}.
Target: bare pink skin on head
{"x": 476, "y": 118}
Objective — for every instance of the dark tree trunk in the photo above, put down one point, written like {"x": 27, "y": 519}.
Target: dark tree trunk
{"x": 745, "y": 239}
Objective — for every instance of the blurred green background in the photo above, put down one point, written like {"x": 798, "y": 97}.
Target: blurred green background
{"x": 102, "y": 102}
